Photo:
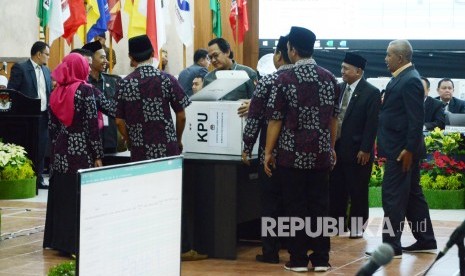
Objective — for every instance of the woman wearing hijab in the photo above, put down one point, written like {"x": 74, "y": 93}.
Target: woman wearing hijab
{"x": 76, "y": 144}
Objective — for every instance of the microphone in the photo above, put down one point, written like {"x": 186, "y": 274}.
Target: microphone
{"x": 381, "y": 256}
{"x": 457, "y": 236}
{"x": 5, "y": 66}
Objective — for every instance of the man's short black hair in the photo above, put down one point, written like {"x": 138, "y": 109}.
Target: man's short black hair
{"x": 38, "y": 46}
{"x": 199, "y": 54}
{"x": 223, "y": 45}
{"x": 443, "y": 80}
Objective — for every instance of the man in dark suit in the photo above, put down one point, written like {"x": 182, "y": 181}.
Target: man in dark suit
{"x": 107, "y": 84}
{"x": 400, "y": 141}
{"x": 434, "y": 109}
{"x": 446, "y": 95}
{"x": 32, "y": 78}
{"x": 357, "y": 124}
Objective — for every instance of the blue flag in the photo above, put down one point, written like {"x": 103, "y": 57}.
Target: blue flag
{"x": 101, "y": 25}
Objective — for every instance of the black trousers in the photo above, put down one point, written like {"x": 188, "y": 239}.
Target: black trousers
{"x": 43, "y": 145}
{"x": 271, "y": 206}
{"x": 350, "y": 182}
{"x": 306, "y": 195}
{"x": 403, "y": 198}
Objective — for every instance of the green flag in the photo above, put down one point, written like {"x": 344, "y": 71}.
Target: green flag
{"x": 216, "y": 17}
{"x": 43, "y": 11}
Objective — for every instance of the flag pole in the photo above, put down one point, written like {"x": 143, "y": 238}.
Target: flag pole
{"x": 236, "y": 26}
{"x": 111, "y": 54}
{"x": 47, "y": 35}
{"x": 160, "y": 59}
{"x": 85, "y": 25}
{"x": 184, "y": 54}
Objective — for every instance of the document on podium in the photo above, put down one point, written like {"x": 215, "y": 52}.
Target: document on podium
{"x": 226, "y": 81}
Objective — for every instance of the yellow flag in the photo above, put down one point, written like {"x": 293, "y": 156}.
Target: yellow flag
{"x": 93, "y": 14}
{"x": 137, "y": 11}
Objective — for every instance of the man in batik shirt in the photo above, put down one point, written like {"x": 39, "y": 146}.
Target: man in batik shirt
{"x": 302, "y": 113}
{"x": 143, "y": 111}
{"x": 271, "y": 202}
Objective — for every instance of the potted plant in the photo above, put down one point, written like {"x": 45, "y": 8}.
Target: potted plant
{"x": 64, "y": 269}
{"x": 17, "y": 177}
{"x": 376, "y": 179}
{"x": 442, "y": 174}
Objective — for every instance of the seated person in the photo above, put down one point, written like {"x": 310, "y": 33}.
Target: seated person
{"x": 197, "y": 84}
{"x": 434, "y": 109}
{"x": 221, "y": 57}
{"x": 164, "y": 59}
{"x": 199, "y": 68}
{"x": 3, "y": 82}
{"x": 446, "y": 95}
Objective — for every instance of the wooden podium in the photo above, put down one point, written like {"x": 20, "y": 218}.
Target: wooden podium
{"x": 19, "y": 121}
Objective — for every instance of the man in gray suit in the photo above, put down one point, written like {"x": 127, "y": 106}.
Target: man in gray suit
{"x": 400, "y": 141}
{"x": 357, "y": 124}
{"x": 32, "y": 78}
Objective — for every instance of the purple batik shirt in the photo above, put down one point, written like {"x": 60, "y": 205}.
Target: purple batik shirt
{"x": 144, "y": 99}
{"x": 77, "y": 146}
{"x": 305, "y": 98}
{"x": 256, "y": 121}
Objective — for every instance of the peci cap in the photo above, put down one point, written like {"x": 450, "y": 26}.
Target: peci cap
{"x": 92, "y": 46}
{"x": 282, "y": 43}
{"x": 302, "y": 38}
{"x": 355, "y": 60}
{"x": 140, "y": 45}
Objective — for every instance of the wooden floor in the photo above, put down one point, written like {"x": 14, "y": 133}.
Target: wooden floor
{"x": 22, "y": 253}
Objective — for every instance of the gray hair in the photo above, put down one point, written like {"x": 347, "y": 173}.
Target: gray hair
{"x": 403, "y": 48}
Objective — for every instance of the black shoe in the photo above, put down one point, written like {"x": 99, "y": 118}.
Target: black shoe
{"x": 356, "y": 235}
{"x": 321, "y": 268}
{"x": 42, "y": 185}
{"x": 270, "y": 260}
{"x": 289, "y": 266}
{"x": 420, "y": 248}
{"x": 193, "y": 255}
{"x": 397, "y": 255}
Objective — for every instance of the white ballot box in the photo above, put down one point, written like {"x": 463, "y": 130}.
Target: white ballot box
{"x": 214, "y": 127}
{"x": 226, "y": 81}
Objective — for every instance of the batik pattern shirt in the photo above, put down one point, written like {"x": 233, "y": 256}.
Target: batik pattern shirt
{"x": 143, "y": 101}
{"x": 256, "y": 121}
{"x": 78, "y": 145}
{"x": 305, "y": 98}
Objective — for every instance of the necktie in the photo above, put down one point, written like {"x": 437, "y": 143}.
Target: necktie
{"x": 345, "y": 103}
{"x": 38, "y": 77}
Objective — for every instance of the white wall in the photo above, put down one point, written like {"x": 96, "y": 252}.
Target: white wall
{"x": 20, "y": 29}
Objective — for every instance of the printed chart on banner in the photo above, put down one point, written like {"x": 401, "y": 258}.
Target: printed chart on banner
{"x": 130, "y": 220}
{"x": 365, "y": 19}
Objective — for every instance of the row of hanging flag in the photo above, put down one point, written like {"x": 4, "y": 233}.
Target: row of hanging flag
{"x": 65, "y": 18}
